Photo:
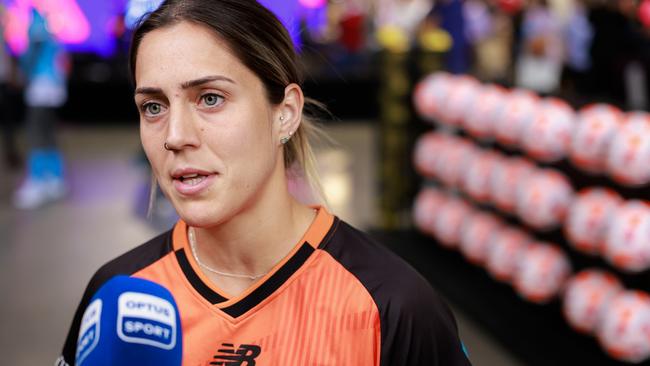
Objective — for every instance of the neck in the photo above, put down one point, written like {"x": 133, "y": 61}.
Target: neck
{"x": 258, "y": 237}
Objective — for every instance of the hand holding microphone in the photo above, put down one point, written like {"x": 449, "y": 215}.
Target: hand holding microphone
{"x": 130, "y": 321}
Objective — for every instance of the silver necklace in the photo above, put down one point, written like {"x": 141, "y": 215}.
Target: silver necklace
{"x": 192, "y": 240}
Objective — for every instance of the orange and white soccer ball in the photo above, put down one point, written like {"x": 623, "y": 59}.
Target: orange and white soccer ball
{"x": 629, "y": 151}
{"x": 426, "y": 207}
{"x": 595, "y": 128}
{"x": 624, "y": 328}
{"x": 476, "y": 180}
{"x": 475, "y": 236}
{"x": 480, "y": 119}
{"x": 589, "y": 217}
{"x": 542, "y": 270}
{"x": 627, "y": 243}
{"x": 427, "y": 151}
{"x": 505, "y": 179}
{"x": 544, "y": 198}
{"x": 462, "y": 97}
{"x": 447, "y": 145}
{"x": 548, "y": 135}
{"x": 520, "y": 108}
{"x": 430, "y": 95}
{"x": 585, "y": 297}
{"x": 453, "y": 160}
{"x": 504, "y": 252}
{"x": 449, "y": 220}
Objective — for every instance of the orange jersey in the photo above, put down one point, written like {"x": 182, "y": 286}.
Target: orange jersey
{"x": 337, "y": 299}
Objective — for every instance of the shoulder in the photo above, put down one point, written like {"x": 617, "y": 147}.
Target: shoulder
{"x": 387, "y": 277}
{"x": 134, "y": 260}
{"x": 416, "y": 323}
{"x": 126, "y": 264}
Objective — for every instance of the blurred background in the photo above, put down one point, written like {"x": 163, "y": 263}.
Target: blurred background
{"x": 502, "y": 147}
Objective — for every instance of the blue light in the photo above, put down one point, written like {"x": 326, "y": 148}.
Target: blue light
{"x": 136, "y": 9}
{"x": 288, "y": 13}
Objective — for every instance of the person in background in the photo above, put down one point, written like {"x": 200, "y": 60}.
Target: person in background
{"x": 633, "y": 61}
{"x": 539, "y": 63}
{"x": 449, "y": 14}
{"x": 44, "y": 66}
{"x": 352, "y": 25}
{"x": 489, "y": 30}
{"x": 397, "y": 22}
{"x": 579, "y": 35}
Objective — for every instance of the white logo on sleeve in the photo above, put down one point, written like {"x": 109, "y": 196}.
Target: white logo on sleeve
{"x": 89, "y": 330}
{"x": 146, "y": 319}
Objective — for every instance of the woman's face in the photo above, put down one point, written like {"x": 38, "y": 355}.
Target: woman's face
{"x": 212, "y": 112}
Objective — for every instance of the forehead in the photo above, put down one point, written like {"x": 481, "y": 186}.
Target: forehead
{"x": 186, "y": 51}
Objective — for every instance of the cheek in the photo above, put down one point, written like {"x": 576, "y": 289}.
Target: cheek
{"x": 259, "y": 147}
{"x": 151, "y": 147}
{"x": 241, "y": 135}
{"x": 249, "y": 157}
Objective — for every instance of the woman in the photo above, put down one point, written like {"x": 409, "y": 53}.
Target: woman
{"x": 221, "y": 121}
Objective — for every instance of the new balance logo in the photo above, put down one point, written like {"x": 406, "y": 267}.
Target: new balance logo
{"x": 245, "y": 355}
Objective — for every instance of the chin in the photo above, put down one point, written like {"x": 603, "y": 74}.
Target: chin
{"x": 201, "y": 215}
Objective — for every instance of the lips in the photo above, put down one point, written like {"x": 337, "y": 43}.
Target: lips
{"x": 191, "y": 181}
{"x": 190, "y": 177}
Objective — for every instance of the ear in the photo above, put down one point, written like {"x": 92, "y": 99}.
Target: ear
{"x": 289, "y": 112}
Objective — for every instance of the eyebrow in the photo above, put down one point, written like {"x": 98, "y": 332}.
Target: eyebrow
{"x": 148, "y": 90}
{"x": 204, "y": 80}
{"x": 186, "y": 85}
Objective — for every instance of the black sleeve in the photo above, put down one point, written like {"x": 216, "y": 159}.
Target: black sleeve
{"x": 70, "y": 346}
{"x": 126, "y": 264}
{"x": 417, "y": 326}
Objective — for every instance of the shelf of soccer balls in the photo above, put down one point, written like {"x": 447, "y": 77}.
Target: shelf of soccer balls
{"x": 596, "y": 221}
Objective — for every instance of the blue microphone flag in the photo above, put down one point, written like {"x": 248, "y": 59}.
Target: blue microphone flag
{"x": 130, "y": 321}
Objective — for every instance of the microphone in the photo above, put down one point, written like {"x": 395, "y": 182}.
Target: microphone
{"x": 130, "y": 321}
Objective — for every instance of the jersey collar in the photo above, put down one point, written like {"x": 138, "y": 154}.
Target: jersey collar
{"x": 316, "y": 234}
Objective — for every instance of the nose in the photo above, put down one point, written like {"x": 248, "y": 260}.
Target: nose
{"x": 181, "y": 130}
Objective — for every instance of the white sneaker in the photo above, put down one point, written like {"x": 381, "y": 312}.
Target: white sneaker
{"x": 56, "y": 188}
{"x": 35, "y": 193}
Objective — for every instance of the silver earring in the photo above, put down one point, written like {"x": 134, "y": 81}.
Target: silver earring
{"x": 166, "y": 147}
{"x": 282, "y": 119}
{"x": 285, "y": 139}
